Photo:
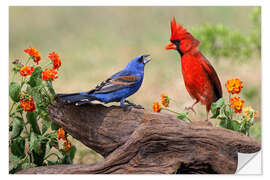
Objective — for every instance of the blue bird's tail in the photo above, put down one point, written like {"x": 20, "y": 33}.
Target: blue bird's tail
{"x": 76, "y": 98}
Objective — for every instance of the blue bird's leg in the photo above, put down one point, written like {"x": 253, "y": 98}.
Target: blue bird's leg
{"x": 124, "y": 106}
{"x": 122, "y": 103}
{"x": 134, "y": 105}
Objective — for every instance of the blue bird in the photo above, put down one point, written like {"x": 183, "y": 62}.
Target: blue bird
{"x": 116, "y": 88}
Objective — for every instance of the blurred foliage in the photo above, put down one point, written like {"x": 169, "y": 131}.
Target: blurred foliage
{"x": 250, "y": 93}
{"x": 255, "y": 36}
{"x": 222, "y": 41}
{"x": 255, "y": 131}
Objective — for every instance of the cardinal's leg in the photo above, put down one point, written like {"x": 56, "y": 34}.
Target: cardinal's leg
{"x": 191, "y": 107}
{"x": 208, "y": 123}
{"x": 208, "y": 106}
{"x": 207, "y": 114}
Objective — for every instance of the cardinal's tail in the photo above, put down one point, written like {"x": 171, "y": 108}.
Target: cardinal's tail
{"x": 77, "y": 98}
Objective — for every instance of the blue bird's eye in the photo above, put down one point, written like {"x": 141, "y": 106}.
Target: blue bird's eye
{"x": 141, "y": 59}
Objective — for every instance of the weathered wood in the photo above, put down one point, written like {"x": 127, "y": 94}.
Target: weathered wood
{"x": 138, "y": 141}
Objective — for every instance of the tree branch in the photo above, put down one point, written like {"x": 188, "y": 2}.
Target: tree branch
{"x": 139, "y": 141}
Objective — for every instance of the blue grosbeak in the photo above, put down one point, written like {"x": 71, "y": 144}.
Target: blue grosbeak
{"x": 116, "y": 88}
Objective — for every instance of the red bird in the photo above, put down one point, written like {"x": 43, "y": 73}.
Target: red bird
{"x": 201, "y": 80}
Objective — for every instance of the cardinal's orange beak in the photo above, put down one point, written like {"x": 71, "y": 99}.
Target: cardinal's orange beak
{"x": 170, "y": 46}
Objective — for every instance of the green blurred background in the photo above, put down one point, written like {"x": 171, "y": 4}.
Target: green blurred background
{"x": 95, "y": 42}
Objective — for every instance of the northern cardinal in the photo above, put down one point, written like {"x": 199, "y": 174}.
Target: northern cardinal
{"x": 116, "y": 88}
{"x": 201, "y": 79}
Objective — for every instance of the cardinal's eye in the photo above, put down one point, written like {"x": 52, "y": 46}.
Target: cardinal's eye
{"x": 176, "y": 42}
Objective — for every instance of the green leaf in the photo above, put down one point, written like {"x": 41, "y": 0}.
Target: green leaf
{"x": 14, "y": 160}
{"x": 14, "y": 91}
{"x": 50, "y": 87}
{"x": 235, "y": 125}
{"x": 53, "y": 162}
{"x": 54, "y": 126}
{"x": 33, "y": 144}
{"x": 223, "y": 122}
{"x": 215, "y": 114}
{"x": 214, "y": 111}
{"x": 215, "y": 108}
{"x": 10, "y": 127}
{"x": 219, "y": 103}
{"x": 41, "y": 98}
{"x": 17, "y": 127}
{"x": 72, "y": 152}
{"x": 19, "y": 109}
{"x": 53, "y": 142}
{"x": 45, "y": 122}
{"x": 182, "y": 116}
{"x": 40, "y": 153}
{"x": 38, "y": 148}
{"x": 222, "y": 112}
{"x": 36, "y": 77}
{"x": 18, "y": 168}
{"x": 17, "y": 147}
{"x": 36, "y": 94}
{"x": 45, "y": 125}
{"x": 28, "y": 165}
{"x": 63, "y": 152}
{"x": 32, "y": 119}
{"x": 66, "y": 160}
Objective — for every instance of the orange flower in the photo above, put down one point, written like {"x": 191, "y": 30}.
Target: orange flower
{"x": 156, "y": 107}
{"x": 33, "y": 52}
{"x": 49, "y": 74}
{"x": 61, "y": 134}
{"x": 237, "y": 104}
{"x": 165, "y": 100}
{"x": 56, "y": 60}
{"x": 234, "y": 86}
{"x": 26, "y": 70}
{"x": 27, "y": 104}
{"x": 249, "y": 112}
{"x": 67, "y": 145}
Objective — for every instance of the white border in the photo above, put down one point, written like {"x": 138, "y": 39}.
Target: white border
{"x": 265, "y": 70}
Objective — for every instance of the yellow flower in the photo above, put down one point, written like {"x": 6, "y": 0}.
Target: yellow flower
{"x": 237, "y": 104}
{"x": 49, "y": 75}
{"x": 165, "y": 100}
{"x": 156, "y": 107}
{"x": 234, "y": 86}
{"x": 67, "y": 145}
{"x": 33, "y": 52}
{"x": 26, "y": 70}
{"x": 27, "y": 104}
{"x": 249, "y": 112}
{"x": 56, "y": 60}
{"x": 61, "y": 134}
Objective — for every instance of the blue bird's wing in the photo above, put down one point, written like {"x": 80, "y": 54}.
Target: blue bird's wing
{"x": 120, "y": 80}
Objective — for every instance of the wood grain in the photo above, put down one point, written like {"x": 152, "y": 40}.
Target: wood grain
{"x": 138, "y": 141}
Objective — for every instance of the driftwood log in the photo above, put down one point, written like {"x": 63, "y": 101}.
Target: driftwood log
{"x": 137, "y": 141}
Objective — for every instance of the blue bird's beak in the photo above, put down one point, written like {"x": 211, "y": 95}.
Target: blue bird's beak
{"x": 146, "y": 58}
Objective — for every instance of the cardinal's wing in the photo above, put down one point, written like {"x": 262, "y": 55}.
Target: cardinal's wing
{"x": 210, "y": 71}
